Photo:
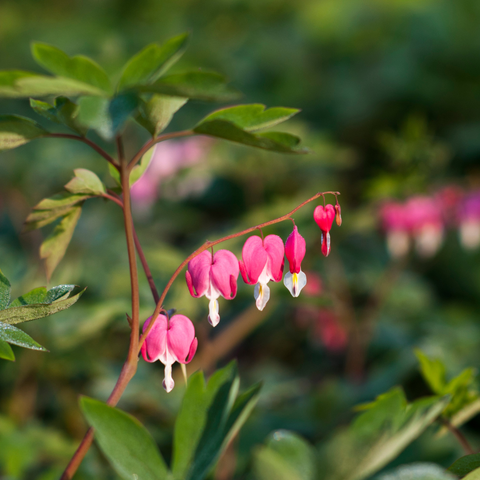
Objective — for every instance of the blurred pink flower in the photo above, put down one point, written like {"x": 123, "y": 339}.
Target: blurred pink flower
{"x": 314, "y": 287}
{"x": 329, "y": 331}
{"x": 393, "y": 216}
{"x": 469, "y": 220}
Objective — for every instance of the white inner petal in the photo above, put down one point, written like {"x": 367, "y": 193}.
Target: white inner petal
{"x": 295, "y": 282}
{"x": 261, "y": 294}
{"x": 168, "y": 359}
{"x": 265, "y": 276}
{"x": 213, "y": 315}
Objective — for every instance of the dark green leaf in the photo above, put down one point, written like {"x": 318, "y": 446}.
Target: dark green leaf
{"x": 78, "y": 68}
{"x": 55, "y": 245}
{"x": 64, "y": 112}
{"x": 433, "y": 371}
{"x": 147, "y": 65}
{"x": 15, "y": 336}
{"x": 16, "y": 131}
{"x": 85, "y": 182}
{"x": 286, "y": 456}
{"x": 155, "y": 114}
{"x": 5, "y": 289}
{"x": 464, "y": 465}
{"x": 6, "y": 352}
{"x": 418, "y": 471}
{"x": 107, "y": 116}
{"x": 125, "y": 442}
{"x": 27, "y": 313}
{"x": 252, "y": 117}
{"x": 198, "y": 85}
{"x": 275, "y": 141}
{"x": 41, "y": 295}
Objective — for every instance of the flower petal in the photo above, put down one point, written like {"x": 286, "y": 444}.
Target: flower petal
{"x": 198, "y": 273}
{"x": 254, "y": 259}
{"x": 225, "y": 266}
{"x": 168, "y": 382}
{"x": 295, "y": 282}
{"x": 213, "y": 315}
{"x": 156, "y": 342}
{"x": 262, "y": 295}
{"x": 295, "y": 248}
{"x": 275, "y": 251}
{"x": 326, "y": 244}
{"x": 192, "y": 351}
{"x": 180, "y": 336}
{"x": 324, "y": 217}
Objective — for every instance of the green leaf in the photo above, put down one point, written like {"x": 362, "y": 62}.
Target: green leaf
{"x": 6, "y": 352}
{"x": 275, "y": 141}
{"x": 418, "y": 471}
{"x": 15, "y": 336}
{"x": 433, "y": 371}
{"x": 41, "y": 85}
{"x": 252, "y": 117}
{"x": 286, "y": 456}
{"x": 151, "y": 62}
{"x": 155, "y": 114}
{"x": 41, "y": 295}
{"x": 461, "y": 416}
{"x": 8, "y": 80}
{"x": 27, "y": 313}
{"x": 137, "y": 171}
{"x": 85, "y": 182}
{"x": 126, "y": 443}
{"x": 464, "y": 465}
{"x": 106, "y": 116}
{"x": 78, "y": 68}
{"x": 63, "y": 112}
{"x": 16, "y": 131}
{"x": 198, "y": 85}
{"x": 55, "y": 245}
{"x": 49, "y": 209}
{"x": 5, "y": 288}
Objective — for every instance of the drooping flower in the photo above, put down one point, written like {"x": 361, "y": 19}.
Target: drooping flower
{"x": 324, "y": 217}
{"x": 330, "y": 332}
{"x": 170, "y": 341}
{"x": 212, "y": 276}
{"x": 295, "y": 247}
{"x": 395, "y": 223}
{"x": 263, "y": 260}
{"x": 469, "y": 220}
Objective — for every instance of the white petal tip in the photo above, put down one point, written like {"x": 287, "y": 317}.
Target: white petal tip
{"x": 168, "y": 384}
{"x": 262, "y": 295}
{"x": 213, "y": 315}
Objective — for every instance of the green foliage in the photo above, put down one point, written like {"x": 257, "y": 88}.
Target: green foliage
{"x": 14, "y": 336}
{"x": 418, "y": 471}
{"x": 6, "y": 352}
{"x": 16, "y": 130}
{"x": 464, "y": 465}
{"x": 77, "y": 68}
{"x": 151, "y": 62}
{"x": 5, "y": 288}
{"x": 125, "y": 442}
{"x": 55, "y": 245}
{"x": 43, "y": 296}
{"x": 85, "y": 182}
{"x": 63, "y": 111}
{"x": 286, "y": 456}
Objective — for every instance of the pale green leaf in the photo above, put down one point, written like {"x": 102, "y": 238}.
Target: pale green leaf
{"x": 151, "y": 62}
{"x": 16, "y": 131}
{"x": 5, "y": 288}
{"x": 85, "y": 182}
{"x": 41, "y": 85}
{"x": 15, "y": 336}
{"x": 8, "y": 80}
{"x": 126, "y": 443}
{"x": 54, "y": 246}
{"x": 433, "y": 371}
{"x": 418, "y": 471}
{"x": 6, "y": 352}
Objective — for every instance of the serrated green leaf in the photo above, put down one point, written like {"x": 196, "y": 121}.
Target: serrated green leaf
{"x": 16, "y": 130}
{"x": 418, "y": 471}
{"x": 5, "y": 288}
{"x": 106, "y": 116}
{"x": 464, "y": 465}
{"x": 286, "y": 456}
{"x": 275, "y": 141}
{"x": 197, "y": 85}
{"x": 126, "y": 443}
{"x": 433, "y": 371}
{"x": 252, "y": 117}
{"x": 55, "y": 245}
{"x": 27, "y": 313}
{"x": 15, "y": 336}
{"x": 85, "y": 182}
{"x": 6, "y": 352}
{"x": 155, "y": 114}
{"x": 151, "y": 62}
{"x": 78, "y": 68}
{"x": 63, "y": 112}
{"x": 41, "y": 295}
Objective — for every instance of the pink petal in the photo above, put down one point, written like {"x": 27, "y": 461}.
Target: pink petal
{"x": 324, "y": 217}
{"x": 192, "y": 351}
{"x": 275, "y": 251}
{"x": 180, "y": 336}
{"x": 199, "y": 273}
{"x": 295, "y": 248}
{"x": 225, "y": 266}
{"x": 254, "y": 259}
{"x": 156, "y": 341}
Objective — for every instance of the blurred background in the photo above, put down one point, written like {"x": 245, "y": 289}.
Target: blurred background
{"x": 390, "y": 99}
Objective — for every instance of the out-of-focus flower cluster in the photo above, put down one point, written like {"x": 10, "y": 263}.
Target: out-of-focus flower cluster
{"x": 422, "y": 220}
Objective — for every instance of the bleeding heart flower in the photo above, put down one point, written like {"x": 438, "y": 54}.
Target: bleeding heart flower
{"x": 263, "y": 261}
{"x": 212, "y": 276}
{"x": 324, "y": 217}
{"x": 295, "y": 247}
{"x": 169, "y": 342}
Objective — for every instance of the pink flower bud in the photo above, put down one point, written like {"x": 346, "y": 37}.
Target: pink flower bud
{"x": 324, "y": 217}
{"x": 295, "y": 247}
{"x": 338, "y": 214}
{"x": 213, "y": 276}
{"x": 262, "y": 261}
{"x": 169, "y": 342}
